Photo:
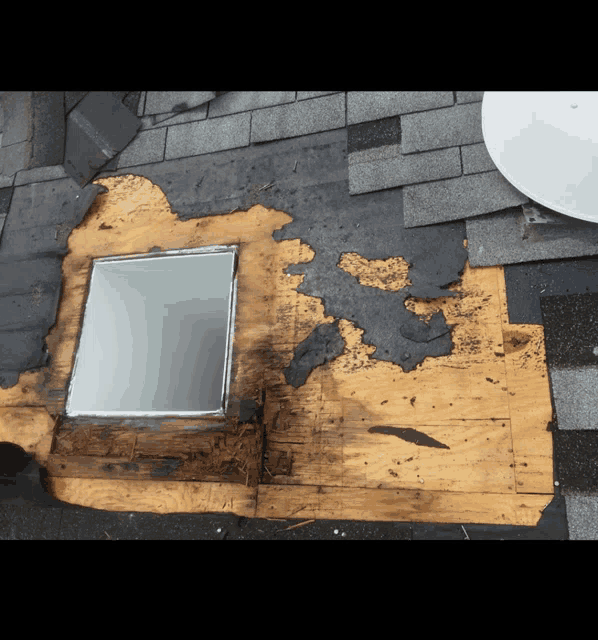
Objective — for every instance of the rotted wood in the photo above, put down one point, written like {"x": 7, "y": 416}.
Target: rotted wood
{"x": 158, "y": 450}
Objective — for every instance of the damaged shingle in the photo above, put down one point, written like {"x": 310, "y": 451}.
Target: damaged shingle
{"x": 97, "y": 129}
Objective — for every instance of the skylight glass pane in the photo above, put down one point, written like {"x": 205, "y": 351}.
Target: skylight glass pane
{"x": 155, "y": 336}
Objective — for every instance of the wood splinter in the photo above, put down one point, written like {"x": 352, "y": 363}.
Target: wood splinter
{"x": 294, "y": 526}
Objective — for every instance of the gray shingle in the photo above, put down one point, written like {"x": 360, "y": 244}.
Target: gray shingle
{"x": 48, "y": 129}
{"x": 18, "y": 117}
{"x": 97, "y": 129}
{"x": 5, "y": 181}
{"x": 499, "y": 239}
{"x": 574, "y": 392}
{"x": 237, "y": 101}
{"x": 172, "y": 101}
{"x": 476, "y": 159}
{"x": 458, "y": 198}
{"x": 141, "y": 105}
{"x": 305, "y": 95}
{"x": 403, "y": 170}
{"x": 469, "y": 96}
{"x": 43, "y": 174}
{"x": 439, "y": 128}
{"x": 299, "y": 118}
{"x": 208, "y": 136}
{"x": 47, "y": 203}
{"x": 147, "y": 147}
{"x": 15, "y": 158}
{"x": 582, "y": 517}
{"x": 372, "y": 155}
{"x": 372, "y": 105}
{"x": 169, "y": 119}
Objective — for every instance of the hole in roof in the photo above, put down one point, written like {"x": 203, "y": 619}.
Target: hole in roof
{"x": 157, "y": 335}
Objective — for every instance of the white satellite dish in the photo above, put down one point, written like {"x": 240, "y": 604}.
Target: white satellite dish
{"x": 545, "y": 143}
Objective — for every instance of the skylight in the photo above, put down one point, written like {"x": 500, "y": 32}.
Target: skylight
{"x": 157, "y": 335}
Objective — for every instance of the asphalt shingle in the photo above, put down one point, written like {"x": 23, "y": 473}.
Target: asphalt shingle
{"x": 503, "y": 238}
{"x": 148, "y": 146}
{"x": 575, "y": 398}
{"x": 459, "y": 198}
{"x": 208, "y": 136}
{"x": 528, "y": 284}
{"x": 375, "y": 154}
{"x": 366, "y": 177}
{"x": 98, "y": 128}
{"x": 582, "y": 517}
{"x": 169, "y": 119}
{"x": 299, "y": 118}
{"x": 373, "y": 105}
{"x": 18, "y": 117}
{"x": 476, "y": 159}
{"x": 305, "y": 95}
{"x": 460, "y": 124}
{"x": 469, "y": 96}
{"x": 43, "y": 174}
{"x": 15, "y": 158}
{"x": 237, "y": 101}
{"x": 48, "y": 129}
{"x": 173, "y": 101}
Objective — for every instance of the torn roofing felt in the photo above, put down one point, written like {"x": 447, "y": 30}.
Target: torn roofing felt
{"x": 372, "y": 226}
{"x": 308, "y": 181}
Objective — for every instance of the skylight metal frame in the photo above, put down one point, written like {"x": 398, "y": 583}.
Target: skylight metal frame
{"x": 212, "y": 249}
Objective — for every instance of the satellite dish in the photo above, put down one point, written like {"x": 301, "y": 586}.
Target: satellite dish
{"x": 545, "y": 143}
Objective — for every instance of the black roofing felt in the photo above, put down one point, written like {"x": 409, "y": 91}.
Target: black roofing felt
{"x": 332, "y": 222}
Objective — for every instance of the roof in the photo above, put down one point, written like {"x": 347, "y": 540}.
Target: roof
{"x": 373, "y": 154}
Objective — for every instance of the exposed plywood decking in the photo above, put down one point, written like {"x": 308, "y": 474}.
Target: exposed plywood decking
{"x": 488, "y": 401}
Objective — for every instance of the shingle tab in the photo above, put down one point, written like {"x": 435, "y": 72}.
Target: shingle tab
{"x": 439, "y": 128}
{"x": 469, "y": 96}
{"x": 15, "y": 158}
{"x": 575, "y": 398}
{"x": 298, "y": 119}
{"x": 237, "y": 101}
{"x": 18, "y": 117}
{"x": 208, "y": 136}
{"x": 372, "y": 105}
{"x": 404, "y": 170}
{"x": 42, "y": 174}
{"x": 172, "y": 101}
{"x": 502, "y": 238}
{"x": 148, "y": 146}
{"x": 458, "y": 198}
{"x": 169, "y": 119}
{"x": 305, "y": 95}
{"x": 476, "y": 159}
{"x": 582, "y": 517}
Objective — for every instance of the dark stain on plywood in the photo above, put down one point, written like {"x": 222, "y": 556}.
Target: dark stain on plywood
{"x": 410, "y": 435}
